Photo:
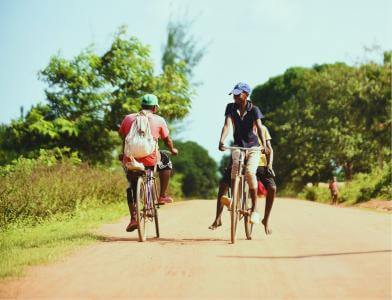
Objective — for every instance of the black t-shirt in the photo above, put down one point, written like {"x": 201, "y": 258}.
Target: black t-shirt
{"x": 244, "y": 135}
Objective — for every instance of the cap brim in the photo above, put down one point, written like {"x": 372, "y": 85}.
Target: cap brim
{"x": 235, "y": 92}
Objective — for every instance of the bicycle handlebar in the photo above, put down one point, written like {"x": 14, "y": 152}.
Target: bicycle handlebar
{"x": 165, "y": 151}
{"x": 241, "y": 148}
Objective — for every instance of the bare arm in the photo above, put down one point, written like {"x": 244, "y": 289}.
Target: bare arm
{"x": 262, "y": 138}
{"x": 271, "y": 155}
{"x": 225, "y": 131}
{"x": 169, "y": 144}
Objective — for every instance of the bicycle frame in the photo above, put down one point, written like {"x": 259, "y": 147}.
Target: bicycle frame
{"x": 146, "y": 202}
{"x": 240, "y": 204}
{"x": 149, "y": 181}
{"x": 240, "y": 208}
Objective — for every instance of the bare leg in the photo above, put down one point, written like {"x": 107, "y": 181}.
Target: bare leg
{"x": 132, "y": 211}
{"x": 223, "y": 187}
{"x": 164, "y": 177}
{"x": 131, "y": 195}
{"x": 268, "y": 206}
{"x": 253, "y": 196}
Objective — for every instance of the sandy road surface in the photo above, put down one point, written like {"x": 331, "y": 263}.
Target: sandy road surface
{"x": 316, "y": 251}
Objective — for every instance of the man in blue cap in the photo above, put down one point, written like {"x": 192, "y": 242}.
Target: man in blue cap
{"x": 246, "y": 121}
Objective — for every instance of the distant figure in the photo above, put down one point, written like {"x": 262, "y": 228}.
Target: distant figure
{"x": 333, "y": 187}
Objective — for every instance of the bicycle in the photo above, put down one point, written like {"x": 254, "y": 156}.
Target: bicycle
{"x": 241, "y": 205}
{"x": 146, "y": 202}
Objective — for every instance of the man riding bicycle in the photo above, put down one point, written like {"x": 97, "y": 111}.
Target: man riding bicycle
{"x": 246, "y": 120}
{"x": 264, "y": 174}
{"x": 158, "y": 128}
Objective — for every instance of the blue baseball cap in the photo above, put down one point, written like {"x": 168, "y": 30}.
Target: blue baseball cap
{"x": 239, "y": 88}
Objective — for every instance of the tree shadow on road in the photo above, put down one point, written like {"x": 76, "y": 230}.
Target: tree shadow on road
{"x": 304, "y": 256}
{"x": 187, "y": 241}
{"x": 159, "y": 240}
{"x": 108, "y": 239}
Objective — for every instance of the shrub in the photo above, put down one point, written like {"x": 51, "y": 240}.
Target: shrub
{"x": 363, "y": 187}
{"x": 316, "y": 193}
{"x": 36, "y": 189}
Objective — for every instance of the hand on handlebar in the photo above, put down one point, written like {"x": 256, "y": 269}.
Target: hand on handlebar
{"x": 221, "y": 146}
{"x": 270, "y": 171}
{"x": 266, "y": 151}
{"x": 174, "y": 151}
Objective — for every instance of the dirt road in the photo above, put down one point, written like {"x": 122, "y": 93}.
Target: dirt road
{"x": 316, "y": 251}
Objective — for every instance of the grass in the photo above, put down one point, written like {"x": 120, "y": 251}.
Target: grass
{"x": 23, "y": 246}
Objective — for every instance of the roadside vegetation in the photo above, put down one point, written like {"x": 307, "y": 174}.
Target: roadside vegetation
{"x": 363, "y": 187}
{"x": 331, "y": 120}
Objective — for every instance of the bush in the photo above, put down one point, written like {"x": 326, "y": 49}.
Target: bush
{"x": 316, "y": 193}
{"x": 363, "y": 187}
{"x": 36, "y": 189}
{"x": 175, "y": 186}
{"x": 198, "y": 169}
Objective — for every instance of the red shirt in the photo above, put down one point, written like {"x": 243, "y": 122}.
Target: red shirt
{"x": 159, "y": 129}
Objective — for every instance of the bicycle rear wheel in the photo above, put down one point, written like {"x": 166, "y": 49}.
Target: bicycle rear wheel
{"x": 234, "y": 214}
{"x": 154, "y": 201}
{"x": 140, "y": 209}
{"x": 247, "y": 207}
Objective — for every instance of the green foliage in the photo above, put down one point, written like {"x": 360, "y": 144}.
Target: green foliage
{"x": 325, "y": 118}
{"x": 89, "y": 95}
{"x": 175, "y": 186}
{"x": 182, "y": 47}
{"x": 316, "y": 193}
{"x": 197, "y": 168}
{"x": 224, "y": 162}
{"x": 364, "y": 186}
{"x": 35, "y": 189}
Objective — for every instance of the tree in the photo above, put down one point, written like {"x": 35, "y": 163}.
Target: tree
{"x": 325, "y": 117}
{"x": 88, "y": 95}
{"x": 181, "y": 47}
{"x": 199, "y": 170}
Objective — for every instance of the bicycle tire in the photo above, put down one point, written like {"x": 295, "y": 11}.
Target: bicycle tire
{"x": 154, "y": 201}
{"x": 234, "y": 214}
{"x": 247, "y": 207}
{"x": 140, "y": 210}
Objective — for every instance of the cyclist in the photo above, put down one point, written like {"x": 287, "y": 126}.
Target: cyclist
{"x": 246, "y": 120}
{"x": 159, "y": 129}
{"x": 264, "y": 174}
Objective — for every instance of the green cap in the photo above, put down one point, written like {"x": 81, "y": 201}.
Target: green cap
{"x": 150, "y": 99}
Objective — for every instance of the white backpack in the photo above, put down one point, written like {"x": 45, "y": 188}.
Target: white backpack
{"x": 139, "y": 142}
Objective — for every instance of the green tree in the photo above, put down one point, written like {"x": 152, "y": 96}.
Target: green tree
{"x": 198, "y": 169}
{"x": 326, "y": 117}
{"x": 88, "y": 95}
{"x": 181, "y": 47}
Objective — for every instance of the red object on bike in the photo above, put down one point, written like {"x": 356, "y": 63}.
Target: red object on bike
{"x": 261, "y": 190}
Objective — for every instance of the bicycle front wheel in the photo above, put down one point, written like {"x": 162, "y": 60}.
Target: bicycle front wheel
{"x": 234, "y": 212}
{"x": 247, "y": 208}
{"x": 141, "y": 209}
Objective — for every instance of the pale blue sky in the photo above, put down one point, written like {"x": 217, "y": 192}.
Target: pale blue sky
{"x": 250, "y": 41}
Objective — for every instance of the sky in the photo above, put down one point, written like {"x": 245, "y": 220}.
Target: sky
{"x": 248, "y": 41}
